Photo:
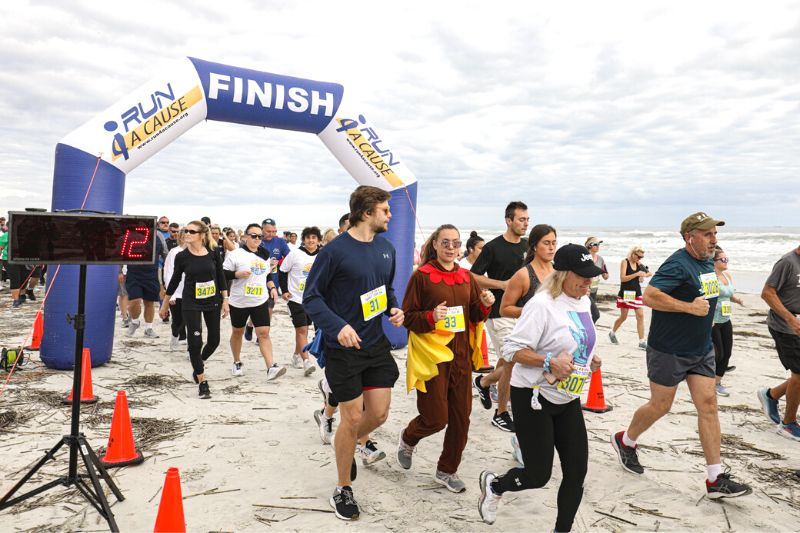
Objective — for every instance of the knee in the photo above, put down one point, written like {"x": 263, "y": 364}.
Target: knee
{"x": 262, "y": 333}
{"x": 661, "y": 406}
{"x": 382, "y": 415}
{"x": 352, "y": 419}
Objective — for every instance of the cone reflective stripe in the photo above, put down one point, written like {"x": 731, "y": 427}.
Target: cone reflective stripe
{"x": 170, "y": 510}
{"x": 38, "y": 331}
{"x": 121, "y": 450}
{"x": 87, "y": 392}
{"x": 596, "y": 401}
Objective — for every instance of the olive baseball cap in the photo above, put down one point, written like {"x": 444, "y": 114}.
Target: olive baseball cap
{"x": 699, "y": 220}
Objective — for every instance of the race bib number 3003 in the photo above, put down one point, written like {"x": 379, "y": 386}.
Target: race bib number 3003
{"x": 373, "y": 302}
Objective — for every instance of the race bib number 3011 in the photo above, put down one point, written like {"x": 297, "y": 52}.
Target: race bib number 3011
{"x": 453, "y": 320}
{"x": 373, "y": 302}
{"x": 572, "y": 387}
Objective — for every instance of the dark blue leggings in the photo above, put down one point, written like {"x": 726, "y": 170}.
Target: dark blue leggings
{"x": 558, "y": 427}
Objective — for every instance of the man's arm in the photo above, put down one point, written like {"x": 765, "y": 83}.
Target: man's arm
{"x": 770, "y": 295}
{"x": 661, "y": 301}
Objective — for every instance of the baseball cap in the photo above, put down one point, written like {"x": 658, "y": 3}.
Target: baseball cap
{"x": 699, "y": 220}
{"x": 592, "y": 239}
{"x": 270, "y": 221}
{"x": 576, "y": 258}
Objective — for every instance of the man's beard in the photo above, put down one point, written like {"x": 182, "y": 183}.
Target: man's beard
{"x": 379, "y": 228}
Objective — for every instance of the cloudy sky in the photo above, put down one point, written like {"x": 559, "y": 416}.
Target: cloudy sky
{"x": 612, "y": 114}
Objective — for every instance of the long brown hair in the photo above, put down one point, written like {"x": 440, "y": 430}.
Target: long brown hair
{"x": 428, "y": 254}
{"x": 208, "y": 242}
{"x": 537, "y": 234}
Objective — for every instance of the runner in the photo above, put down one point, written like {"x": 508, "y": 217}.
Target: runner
{"x": 248, "y": 269}
{"x": 474, "y": 247}
{"x": 144, "y": 287}
{"x": 631, "y": 272}
{"x": 276, "y": 249}
{"x": 679, "y": 349}
{"x": 722, "y": 331}
{"x": 782, "y": 294}
{"x": 553, "y": 344}
{"x": 293, "y": 275}
{"x": 177, "y": 327}
{"x": 348, "y": 289}
{"x": 441, "y": 302}
{"x": 499, "y": 260}
{"x": 203, "y": 285}
{"x": 593, "y": 245}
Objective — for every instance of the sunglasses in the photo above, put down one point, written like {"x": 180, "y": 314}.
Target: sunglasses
{"x": 254, "y": 236}
{"x": 451, "y": 244}
{"x": 594, "y": 244}
{"x": 722, "y": 259}
{"x": 163, "y": 221}
{"x": 192, "y": 231}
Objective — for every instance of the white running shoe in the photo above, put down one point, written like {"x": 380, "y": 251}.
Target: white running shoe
{"x": 487, "y": 503}
{"x": 325, "y": 426}
{"x": 150, "y": 333}
{"x": 236, "y": 369}
{"x": 174, "y": 343}
{"x": 297, "y": 361}
{"x": 308, "y": 367}
{"x": 370, "y": 453}
{"x": 275, "y": 372}
{"x": 132, "y": 327}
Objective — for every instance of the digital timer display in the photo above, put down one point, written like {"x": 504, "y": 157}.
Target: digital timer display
{"x": 80, "y": 238}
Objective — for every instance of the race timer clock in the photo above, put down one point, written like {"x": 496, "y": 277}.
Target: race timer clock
{"x": 81, "y": 238}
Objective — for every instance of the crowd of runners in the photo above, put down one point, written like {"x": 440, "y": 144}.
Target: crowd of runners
{"x": 536, "y": 300}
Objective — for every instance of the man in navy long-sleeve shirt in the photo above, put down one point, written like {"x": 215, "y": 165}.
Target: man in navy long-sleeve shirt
{"x": 348, "y": 289}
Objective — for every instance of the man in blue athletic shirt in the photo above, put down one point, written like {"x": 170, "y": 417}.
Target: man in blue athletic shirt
{"x": 277, "y": 249}
{"x": 348, "y": 289}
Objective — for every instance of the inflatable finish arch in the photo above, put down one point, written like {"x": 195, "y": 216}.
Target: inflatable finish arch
{"x": 130, "y": 131}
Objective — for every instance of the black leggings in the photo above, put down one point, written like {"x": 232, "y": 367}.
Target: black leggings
{"x": 538, "y": 432}
{"x": 722, "y": 337}
{"x": 176, "y": 316}
{"x": 595, "y": 311}
{"x": 194, "y": 334}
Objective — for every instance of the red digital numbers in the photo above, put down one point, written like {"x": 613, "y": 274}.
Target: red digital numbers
{"x": 129, "y": 244}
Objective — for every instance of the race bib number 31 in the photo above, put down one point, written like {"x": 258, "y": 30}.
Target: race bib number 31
{"x": 572, "y": 387}
{"x": 373, "y": 302}
{"x": 453, "y": 320}
{"x": 205, "y": 289}
{"x": 710, "y": 285}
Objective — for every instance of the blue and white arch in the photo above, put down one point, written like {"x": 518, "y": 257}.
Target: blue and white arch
{"x": 148, "y": 119}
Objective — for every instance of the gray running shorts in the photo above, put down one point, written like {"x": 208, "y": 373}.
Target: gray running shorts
{"x": 668, "y": 370}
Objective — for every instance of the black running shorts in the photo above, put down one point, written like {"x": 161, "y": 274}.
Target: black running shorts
{"x": 668, "y": 369}
{"x": 350, "y": 371}
{"x": 788, "y": 347}
{"x": 259, "y": 314}
{"x": 299, "y": 316}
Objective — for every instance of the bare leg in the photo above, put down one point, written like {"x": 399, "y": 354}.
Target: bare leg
{"x": 300, "y": 340}
{"x": 792, "y": 398}
{"x": 778, "y": 392}
{"x": 149, "y": 311}
{"x": 135, "y": 308}
{"x": 623, "y": 314}
{"x": 265, "y": 344}
{"x": 640, "y": 322}
{"x": 376, "y": 411}
{"x": 236, "y": 343}
{"x": 346, "y": 434}
{"x": 705, "y": 401}
{"x": 504, "y": 388}
{"x": 661, "y": 398}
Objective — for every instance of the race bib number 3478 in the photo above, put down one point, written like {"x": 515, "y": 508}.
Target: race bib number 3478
{"x": 373, "y": 302}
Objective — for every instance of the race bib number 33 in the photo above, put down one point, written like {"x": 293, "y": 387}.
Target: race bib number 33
{"x": 453, "y": 320}
{"x": 373, "y": 302}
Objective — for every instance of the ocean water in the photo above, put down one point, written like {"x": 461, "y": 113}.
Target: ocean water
{"x": 752, "y": 251}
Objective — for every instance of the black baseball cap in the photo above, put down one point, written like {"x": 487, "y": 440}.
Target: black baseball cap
{"x": 576, "y": 258}
{"x": 270, "y": 221}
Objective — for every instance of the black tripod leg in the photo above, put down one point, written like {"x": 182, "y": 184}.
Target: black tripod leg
{"x": 4, "y": 501}
{"x": 101, "y": 496}
{"x": 101, "y": 469}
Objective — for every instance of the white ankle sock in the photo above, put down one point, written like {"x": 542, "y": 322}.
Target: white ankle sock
{"x": 713, "y": 472}
{"x": 627, "y": 441}
{"x": 148, "y": 325}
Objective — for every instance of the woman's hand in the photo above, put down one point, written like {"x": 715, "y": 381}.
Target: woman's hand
{"x": 440, "y": 311}
{"x": 596, "y": 363}
{"x": 226, "y": 309}
{"x": 163, "y": 311}
{"x": 487, "y": 298}
{"x": 561, "y": 366}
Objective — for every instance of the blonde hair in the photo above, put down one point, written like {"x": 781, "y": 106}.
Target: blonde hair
{"x": 328, "y": 236}
{"x": 554, "y": 283}
{"x": 208, "y": 242}
{"x": 634, "y": 250}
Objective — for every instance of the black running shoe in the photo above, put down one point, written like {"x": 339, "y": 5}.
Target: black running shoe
{"x": 503, "y": 421}
{"x": 204, "y": 391}
{"x": 730, "y": 368}
{"x": 483, "y": 393}
{"x": 725, "y": 487}
{"x": 628, "y": 457}
{"x": 30, "y": 295}
{"x": 248, "y": 333}
{"x": 344, "y": 503}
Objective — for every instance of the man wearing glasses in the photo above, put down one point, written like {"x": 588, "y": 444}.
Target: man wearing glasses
{"x": 172, "y": 240}
{"x": 593, "y": 245}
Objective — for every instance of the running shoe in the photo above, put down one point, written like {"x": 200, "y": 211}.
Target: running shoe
{"x": 730, "y": 368}
{"x": 132, "y": 328}
{"x": 237, "y": 369}
{"x": 768, "y": 405}
{"x": 483, "y": 393}
{"x": 516, "y": 451}
{"x": 722, "y": 391}
{"x": 204, "y": 391}
{"x": 451, "y": 482}
{"x": 297, "y": 361}
{"x": 493, "y": 394}
{"x": 613, "y": 337}
{"x": 275, "y": 372}
{"x": 790, "y": 431}
{"x": 16, "y": 304}
{"x": 126, "y": 322}
{"x": 726, "y": 487}
{"x": 325, "y": 426}
{"x": 370, "y": 453}
{"x": 487, "y": 503}
{"x": 404, "y": 452}
{"x": 344, "y": 503}
{"x": 174, "y": 343}
{"x": 308, "y": 367}
{"x": 503, "y": 421}
{"x": 628, "y": 457}
{"x": 643, "y": 345}
{"x": 248, "y": 333}
{"x": 30, "y": 295}
{"x": 150, "y": 333}
{"x": 321, "y": 388}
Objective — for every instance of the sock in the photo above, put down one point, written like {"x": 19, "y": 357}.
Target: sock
{"x": 495, "y": 486}
{"x": 627, "y": 441}
{"x": 325, "y": 417}
{"x": 713, "y": 472}
{"x": 769, "y": 394}
{"x": 148, "y": 325}
{"x": 135, "y": 321}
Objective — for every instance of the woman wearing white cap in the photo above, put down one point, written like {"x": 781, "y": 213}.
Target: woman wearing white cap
{"x": 593, "y": 245}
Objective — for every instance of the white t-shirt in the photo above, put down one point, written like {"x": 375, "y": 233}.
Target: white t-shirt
{"x": 169, "y": 268}
{"x": 297, "y": 265}
{"x": 251, "y": 291}
{"x": 554, "y": 325}
{"x": 464, "y": 263}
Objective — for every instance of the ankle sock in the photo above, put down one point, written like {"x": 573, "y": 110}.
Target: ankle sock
{"x": 627, "y": 441}
{"x": 713, "y": 472}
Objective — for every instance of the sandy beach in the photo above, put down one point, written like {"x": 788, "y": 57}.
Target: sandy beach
{"x": 251, "y": 457}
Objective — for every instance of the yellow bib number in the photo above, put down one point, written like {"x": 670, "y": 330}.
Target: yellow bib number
{"x": 373, "y": 302}
{"x": 572, "y": 387}
{"x": 727, "y": 309}
{"x": 301, "y": 286}
{"x": 205, "y": 289}
{"x": 710, "y": 284}
{"x": 253, "y": 289}
{"x": 629, "y": 296}
{"x": 453, "y": 320}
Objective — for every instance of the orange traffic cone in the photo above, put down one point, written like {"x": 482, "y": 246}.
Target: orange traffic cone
{"x": 87, "y": 392}
{"x": 170, "y": 510}
{"x": 596, "y": 401}
{"x": 121, "y": 450}
{"x": 38, "y": 331}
